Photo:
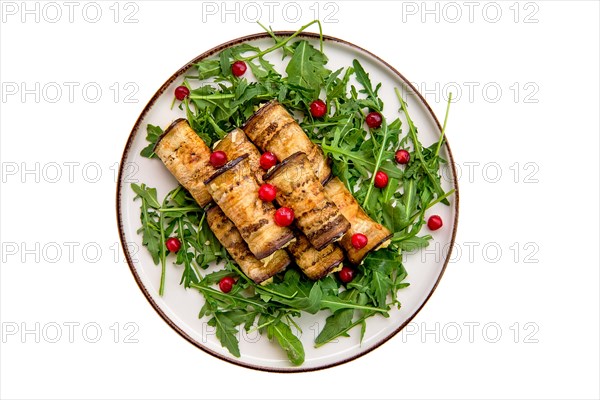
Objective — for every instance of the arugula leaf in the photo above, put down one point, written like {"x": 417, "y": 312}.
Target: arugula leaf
{"x": 314, "y": 299}
{"x": 147, "y": 194}
{"x": 152, "y": 135}
{"x": 383, "y": 260}
{"x": 345, "y": 156}
{"x": 225, "y": 63}
{"x": 307, "y": 301}
{"x": 208, "y": 68}
{"x": 226, "y": 331}
{"x": 288, "y": 342}
{"x": 335, "y": 304}
{"x": 382, "y": 285}
{"x": 307, "y": 68}
{"x": 415, "y": 243}
{"x": 363, "y": 78}
{"x": 336, "y": 325}
{"x": 245, "y": 93}
{"x": 215, "y": 276}
{"x": 150, "y": 230}
{"x": 380, "y": 266}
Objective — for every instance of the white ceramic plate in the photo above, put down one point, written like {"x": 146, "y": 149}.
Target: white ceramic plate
{"x": 179, "y": 307}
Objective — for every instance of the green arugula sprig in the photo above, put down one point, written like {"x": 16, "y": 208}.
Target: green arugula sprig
{"x": 178, "y": 215}
{"x": 223, "y": 102}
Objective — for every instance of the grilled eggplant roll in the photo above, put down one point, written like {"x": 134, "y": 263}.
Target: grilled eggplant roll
{"x": 229, "y": 236}
{"x": 187, "y": 157}
{"x": 235, "y": 144}
{"x": 299, "y": 189}
{"x": 235, "y": 190}
{"x": 314, "y": 263}
{"x": 377, "y": 234}
{"x": 273, "y": 129}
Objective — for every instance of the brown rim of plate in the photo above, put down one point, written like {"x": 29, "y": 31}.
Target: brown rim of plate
{"x": 123, "y": 166}
{"x": 226, "y": 168}
{"x": 269, "y": 174}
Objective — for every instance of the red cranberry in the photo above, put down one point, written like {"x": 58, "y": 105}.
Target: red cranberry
{"x": 318, "y": 108}
{"x": 267, "y": 160}
{"x": 238, "y": 68}
{"x": 181, "y": 92}
{"x": 173, "y": 244}
{"x": 374, "y": 119}
{"x": 218, "y": 159}
{"x": 359, "y": 241}
{"x": 284, "y": 216}
{"x": 226, "y": 284}
{"x": 381, "y": 179}
{"x": 267, "y": 192}
{"x": 346, "y": 274}
{"x": 434, "y": 222}
{"x": 402, "y": 156}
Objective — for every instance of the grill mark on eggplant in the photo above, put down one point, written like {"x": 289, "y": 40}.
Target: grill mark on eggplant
{"x": 327, "y": 206}
{"x": 277, "y": 132}
{"x": 246, "y": 230}
{"x": 323, "y": 253}
{"x": 267, "y": 134}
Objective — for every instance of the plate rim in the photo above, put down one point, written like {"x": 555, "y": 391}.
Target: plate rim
{"x": 125, "y": 248}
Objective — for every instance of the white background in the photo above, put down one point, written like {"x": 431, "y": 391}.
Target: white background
{"x": 542, "y": 293}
